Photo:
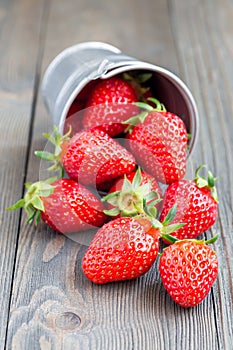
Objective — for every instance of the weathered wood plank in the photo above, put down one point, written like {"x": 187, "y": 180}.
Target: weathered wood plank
{"x": 206, "y": 59}
{"x": 61, "y": 308}
{"x": 19, "y": 42}
{"x": 53, "y": 305}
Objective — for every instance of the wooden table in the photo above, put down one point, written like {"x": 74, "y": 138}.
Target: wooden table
{"x": 45, "y": 300}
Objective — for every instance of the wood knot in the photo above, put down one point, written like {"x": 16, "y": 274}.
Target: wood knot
{"x": 68, "y": 321}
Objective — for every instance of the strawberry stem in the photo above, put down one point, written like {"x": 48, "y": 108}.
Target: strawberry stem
{"x": 137, "y": 80}
{"x": 32, "y": 201}
{"x": 209, "y": 182}
{"x": 169, "y": 238}
{"x": 212, "y": 240}
{"x": 57, "y": 140}
{"x": 172, "y": 239}
{"x": 133, "y": 198}
{"x": 159, "y": 107}
{"x": 167, "y": 227}
{"x": 140, "y": 118}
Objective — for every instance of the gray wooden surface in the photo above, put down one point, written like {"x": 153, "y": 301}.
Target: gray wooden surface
{"x": 45, "y": 300}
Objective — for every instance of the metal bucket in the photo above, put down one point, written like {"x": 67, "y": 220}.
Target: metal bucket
{"x": 78, "y": 65}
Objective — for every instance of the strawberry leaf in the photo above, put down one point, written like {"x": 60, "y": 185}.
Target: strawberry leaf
{"x": 38, "y": 215}
{"x": 153, "y": 195}
{"x": 45, "y": 191}
{"x": 152, "y": 211}
{"x": 137, "y": 179}
{"x": 37, "y": 203}
{"x": 111, "y": 198}
{"x": 208, "y": 182}
{"x": 172, "y": 228}
{"x": 211, "y": 180}
{"x": 57, "y": 140}
{"x": 50, "y": 180}
{"x": 30, "y": 211}
{"x": 144, "y": 190}
{"x": 159, "y": 107}
{"x": 144, "y": 77}
{"x": 32, "y": 201}
{"x": 170, "y": 216}
{"x": 31, "y": 215}
{"x": 28, "y": 185}
{"x": 43, "y": 155}
{"x": 19, "y": 204}
{"x": 212, "y": 240}
{"x": 169, "y": 238}
{"x": 112, "y": 212}
{"x": 201, "y": 182}
{"x": 214, "y": 194}
{"x": 156, "y": 223}
{"x": 127, "y": 185}
{"x": 136, "y": 119}
{"x": 144, "y": 105}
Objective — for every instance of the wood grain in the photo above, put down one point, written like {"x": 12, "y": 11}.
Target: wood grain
{"x": 212, "y": 62}
{"x": 53, "y": 306}
{"x": 19, "y": 42}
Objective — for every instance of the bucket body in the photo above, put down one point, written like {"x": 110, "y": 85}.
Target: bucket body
{"x": 75, "y": 67}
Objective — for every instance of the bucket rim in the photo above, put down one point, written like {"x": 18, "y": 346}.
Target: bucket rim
{"x": 134, "y": 65}
{"x": 74, "y": 49}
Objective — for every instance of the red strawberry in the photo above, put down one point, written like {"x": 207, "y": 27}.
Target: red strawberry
{"x": 196, "y": 202}
{"x": 126, "y": 248}
{"x": 90, "y": 156}
{"x": 126, "y": 197}
{"x": 64, "y": 205}
{"x": 123, "y": 249}
{"x": 75, "y": 113}
{"x": 110, "y": 103}
{"x": 188, "y": 269}
{"x": 80, "y": 100}
{"x": 159, "y": 143}
{"x": 75, "y": 107}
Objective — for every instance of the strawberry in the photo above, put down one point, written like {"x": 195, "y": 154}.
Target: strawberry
{"x": 110, "y": 103}
{"x": 125, "y": 248}
{"x": 188, "y": 269}
{"x": 122, "y": 249}
{"x": 63, "y": 204}
{"x": 75, "y": 113}
{"x": 158, "y": 140}
{"x": 75, "y": 107}
{"x": 196, "y": 202}
{"x": 90, "y": 156}
{"x": 126, "y": 196}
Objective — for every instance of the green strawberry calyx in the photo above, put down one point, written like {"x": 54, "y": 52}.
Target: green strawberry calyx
{"x": 147, "y": 109}
{"x": 32, "y": 201}
{"x": 206, "y": 182}
{"x": 57, "y": 139}
{"x": 169, "y": 238}
{"x": 138, "y": 201}
{"x": 130, "y": 201}
{"x": 137, "y": 80}
{"x": 166, "y": 227}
